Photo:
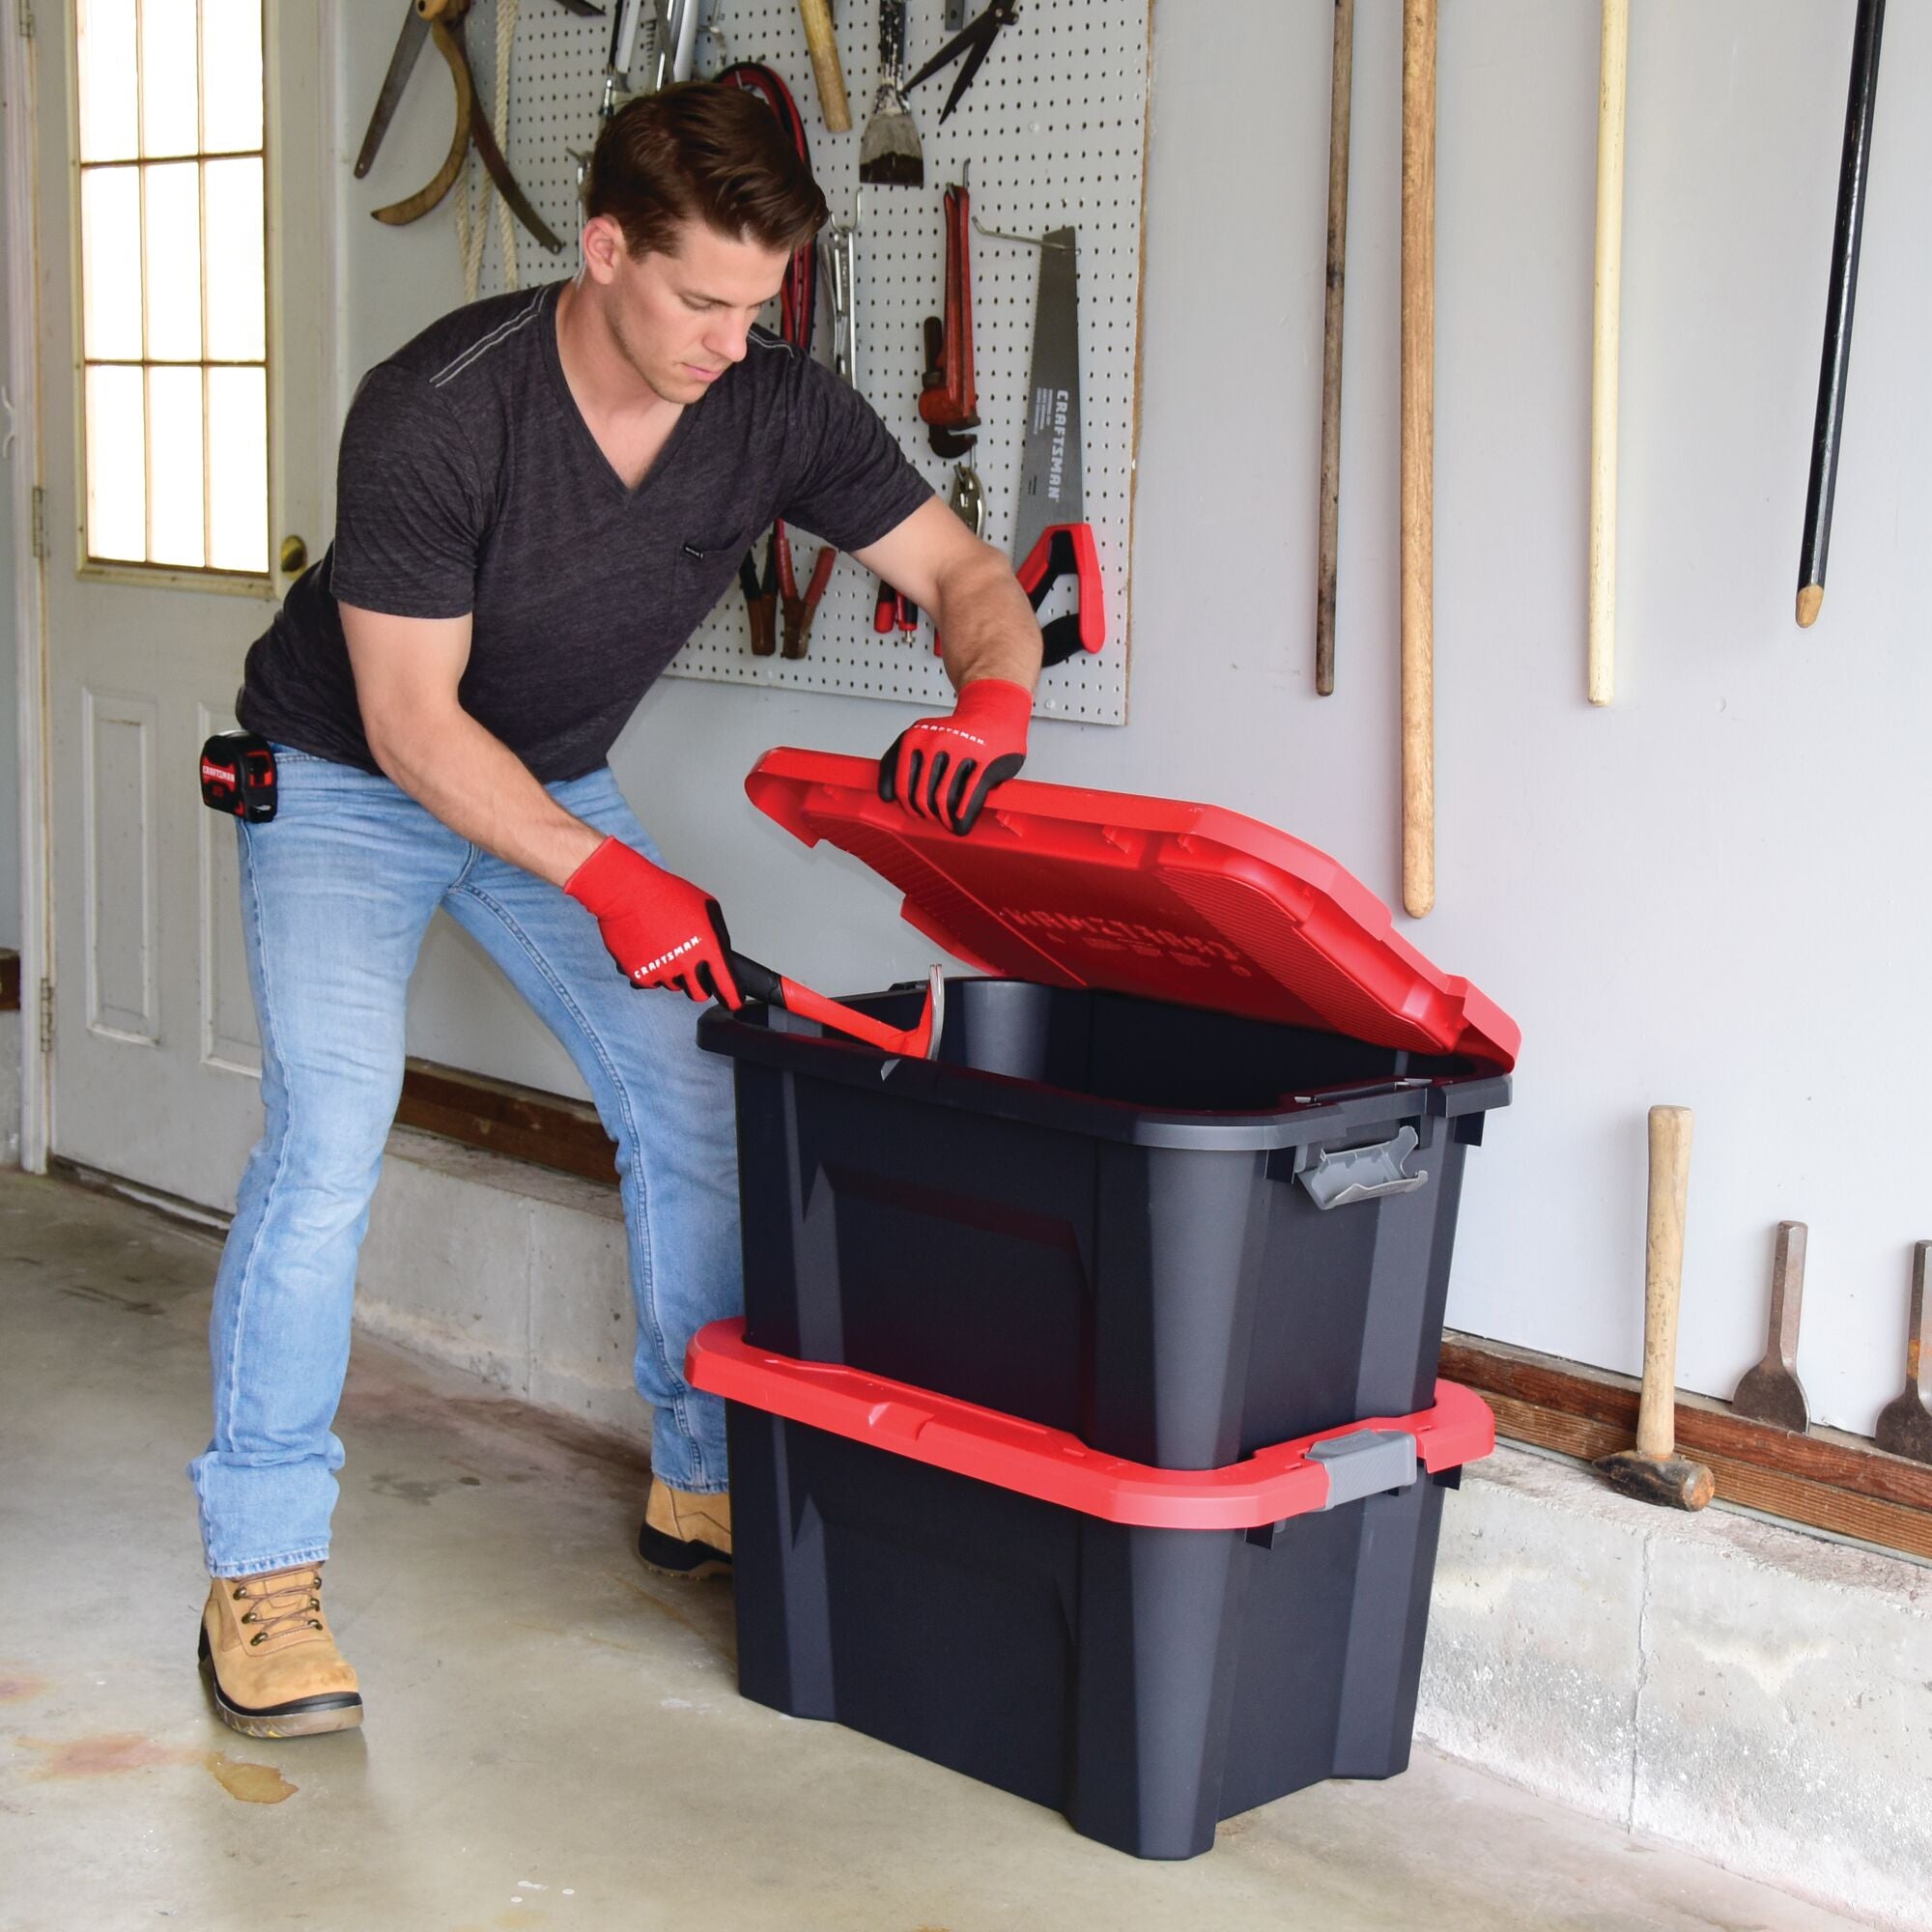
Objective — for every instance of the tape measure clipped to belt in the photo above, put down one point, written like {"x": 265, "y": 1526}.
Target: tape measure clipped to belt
{"x": 237, "y": 775}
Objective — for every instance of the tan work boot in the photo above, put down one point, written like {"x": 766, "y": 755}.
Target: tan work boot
{"x": 271, "y": 1659}
{"x": 686, "y": 1535}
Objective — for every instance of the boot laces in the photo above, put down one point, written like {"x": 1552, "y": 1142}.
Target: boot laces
{"x": 288, "y": 1607}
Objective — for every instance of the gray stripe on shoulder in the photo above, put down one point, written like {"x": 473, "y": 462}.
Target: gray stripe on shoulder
{"x": 482, "y": 347}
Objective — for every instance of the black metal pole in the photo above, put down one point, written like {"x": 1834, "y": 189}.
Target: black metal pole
{"x": 1852, "y": 170}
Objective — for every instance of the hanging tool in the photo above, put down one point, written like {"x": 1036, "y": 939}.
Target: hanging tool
{"x": 1341, "y": 96}
{"x": 627, "y": 20}
{"x": 1652, "y": 1473}
{"x": 799, "y": 611}
{"x": 402, "y": 62}
{"x": 675, "y": 53}
{"x": 761, "y": 599}
{"x": 822, "y": 45}
{"x": 444, "y": 22}
{"x": 975, "y": 42}
{"x": 918, "y": 1042}
{"x": 948, "y": 404}
{"x": 1613, "y": 74}
{"x": 1772, "y": 1392}
{"x": 888, "y": 150}
{"x": 798, "y": 315}
{"x": 839, "y": 260}
{"x": 968, "y": 501}
{"x": 892, "y": 611}
{"x": 1854, "y": 169}
{"x": 1419, "y": 456}
{"x": 1051, "y": 536}
{"x": 1904, "y": 1422}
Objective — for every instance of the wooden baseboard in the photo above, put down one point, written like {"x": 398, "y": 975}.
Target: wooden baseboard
{"x": 1825, "y": 1479}
{"x": 10, "y": 980}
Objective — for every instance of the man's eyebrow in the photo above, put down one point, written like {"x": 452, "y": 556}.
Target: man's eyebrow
{"x": 691, "y": 295}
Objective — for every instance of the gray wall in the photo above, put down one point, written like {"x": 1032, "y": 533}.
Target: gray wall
{"x": 1712, "y": 894}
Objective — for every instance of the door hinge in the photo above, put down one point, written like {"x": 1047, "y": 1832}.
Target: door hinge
{"x": 39, "y": 539}
{"x": 47, "y": 1015}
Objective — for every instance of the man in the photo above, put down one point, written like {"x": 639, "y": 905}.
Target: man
{"x": 539, "y": 498}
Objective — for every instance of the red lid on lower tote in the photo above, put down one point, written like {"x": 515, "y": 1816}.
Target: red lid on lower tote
{"x": 1153, "y": 897}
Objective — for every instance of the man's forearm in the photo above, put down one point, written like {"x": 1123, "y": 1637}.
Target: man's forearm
{"x": 472, "y": 780}
{"x": 987, "y": 623}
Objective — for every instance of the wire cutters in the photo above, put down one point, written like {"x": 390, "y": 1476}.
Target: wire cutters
{"x": 975, "y": 42}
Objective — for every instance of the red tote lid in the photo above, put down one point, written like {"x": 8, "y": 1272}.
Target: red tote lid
{"x": 1151, "y": 896}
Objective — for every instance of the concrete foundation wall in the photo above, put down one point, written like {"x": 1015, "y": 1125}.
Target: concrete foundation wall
{"x": 1757, "y": 1694}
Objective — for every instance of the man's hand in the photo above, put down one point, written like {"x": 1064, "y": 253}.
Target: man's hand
{"x": 942, "y": 767}
{"x": 661, "y": 930}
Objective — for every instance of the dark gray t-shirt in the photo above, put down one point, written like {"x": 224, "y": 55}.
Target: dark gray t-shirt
{"x": 469, "y": 482}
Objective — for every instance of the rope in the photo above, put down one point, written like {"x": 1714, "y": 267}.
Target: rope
{"x": 478, "y": 190}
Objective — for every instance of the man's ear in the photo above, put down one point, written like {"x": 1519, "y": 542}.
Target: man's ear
{"x": 605, "y": 247}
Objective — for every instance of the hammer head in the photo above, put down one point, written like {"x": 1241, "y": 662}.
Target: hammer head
{"x": 1668, "y": 1481}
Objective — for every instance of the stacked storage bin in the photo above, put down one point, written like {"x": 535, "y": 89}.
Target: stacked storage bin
{"x": 1083, "y": 1425}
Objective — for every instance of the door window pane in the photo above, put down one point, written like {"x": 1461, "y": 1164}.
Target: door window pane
{"x": 110, "y": 268}
{"x": 238, "y": 469}
{"x": 174, "y": 275}
{"x": 171, "y": 239}
{"x": 170, "y": 93}
{"x": 236, "y": 275}
{"x": 110, "y": 127}
{"x": 117, "y": 470}
{"x": 177, "y": 512}
{"x": 230, "y": 76}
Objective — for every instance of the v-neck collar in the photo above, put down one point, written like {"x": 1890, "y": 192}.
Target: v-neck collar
{"x": 554, "y": 362}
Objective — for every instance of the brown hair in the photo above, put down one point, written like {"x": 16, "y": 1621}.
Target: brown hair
{"x": 699, "y": 151}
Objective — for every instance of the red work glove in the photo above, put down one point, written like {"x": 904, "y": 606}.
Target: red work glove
{"x": 944, "y": 767}
{"x": 661, "y": 929}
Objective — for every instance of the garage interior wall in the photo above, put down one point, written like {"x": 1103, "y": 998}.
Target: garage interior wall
{"x": 1712, "y": 894}
{"x": 9, "y": 565}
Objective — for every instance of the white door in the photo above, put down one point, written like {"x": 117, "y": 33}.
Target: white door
{"x": 183, "y": 441}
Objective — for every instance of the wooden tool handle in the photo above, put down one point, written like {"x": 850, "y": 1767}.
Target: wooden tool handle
{"x": 1663, "y": 1277}
{"x": 1340, "y": 100}
{"x": 1613, "y": 73}
{"x": 823, "y": 46}
{"x": 1419, "y": 456}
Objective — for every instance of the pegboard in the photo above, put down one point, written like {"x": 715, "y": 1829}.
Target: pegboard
{"x": 1052, "y": 132}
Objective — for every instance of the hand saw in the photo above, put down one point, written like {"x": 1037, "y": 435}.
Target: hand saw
{"x": 1051, "y": 536}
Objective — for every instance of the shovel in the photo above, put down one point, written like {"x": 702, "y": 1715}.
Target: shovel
{"x": 889, "y": 151}
{"x": 916, "y": 1042}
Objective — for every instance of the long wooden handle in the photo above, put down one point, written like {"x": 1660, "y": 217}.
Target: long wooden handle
{"x": 1612, "y": 74}
{"x": 1663, "y": 1277}
{"x": 823, "y": 46}
{"x": 1339, "y": 104}
{"x": 1419, "y": 456}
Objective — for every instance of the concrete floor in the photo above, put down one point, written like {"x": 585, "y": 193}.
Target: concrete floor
{"x": 553, "y": 1739}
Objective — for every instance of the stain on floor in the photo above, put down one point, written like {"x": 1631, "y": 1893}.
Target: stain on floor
{"x": 108, "y": 1753}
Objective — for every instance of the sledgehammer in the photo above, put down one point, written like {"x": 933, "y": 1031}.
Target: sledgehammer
{"x": 1652, "y": 1473}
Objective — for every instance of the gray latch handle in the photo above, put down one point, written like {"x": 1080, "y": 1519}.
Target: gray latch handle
{"x": 1335, "y": 1179}
{"x": 1365, "y": 1463}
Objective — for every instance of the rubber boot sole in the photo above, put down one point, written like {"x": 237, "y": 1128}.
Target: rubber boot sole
{"x": 685, "y": 1562}
{"x": 300, "y": 1718}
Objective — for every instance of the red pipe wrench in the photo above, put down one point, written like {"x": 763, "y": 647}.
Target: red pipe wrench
{"x": 948, "y": 404}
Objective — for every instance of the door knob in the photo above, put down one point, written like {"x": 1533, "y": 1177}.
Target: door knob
{"x": 295, "y": 556}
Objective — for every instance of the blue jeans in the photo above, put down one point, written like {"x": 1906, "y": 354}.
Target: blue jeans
{"x": 336, "y": 893}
